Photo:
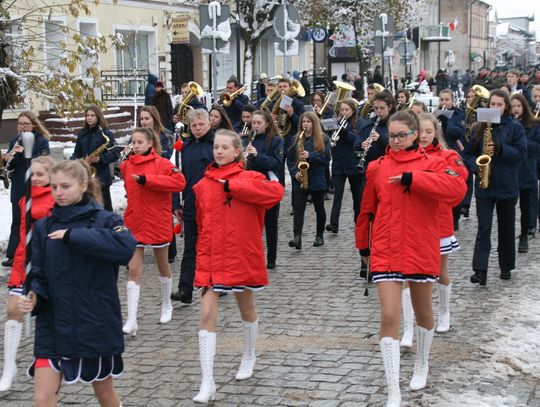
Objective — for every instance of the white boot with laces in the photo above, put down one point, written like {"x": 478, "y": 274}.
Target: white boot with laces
{"x": 12, "y": 337}
{"x": 408, "y": 318}
{"x": 443, "y": 320}
{"x": 207, "y": 351}
{"x": 390, "y": 355}
{"x": 133, "y": 293}
{"x": 166, "y": 305}
{"x": 248, "y": 358}
{"x": 424, "y": 338}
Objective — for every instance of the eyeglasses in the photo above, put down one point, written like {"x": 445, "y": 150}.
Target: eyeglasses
{"x": 400, "y": 136}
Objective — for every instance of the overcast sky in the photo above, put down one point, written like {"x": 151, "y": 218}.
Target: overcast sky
{"x": 524, "y": 7}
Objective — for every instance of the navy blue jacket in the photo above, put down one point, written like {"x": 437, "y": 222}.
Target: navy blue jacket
{"x": 299, "y": 109}
{"x": 234, "y": 111}
{"x": 343, "y": 155}
{"x": 75, "y": 278}
{"x": 89, "y": 141}
{"x": 510, "y": 149}
{"x": 195, "y": 103}
{"x": 270, "y": 156}
{"x": 318, "y": 162}
{"x": 197, "y": 154}
{"x": 166, "y": 145}
{"x": 150, "y": 90}
{"x": 378, "y": 148}
{"x": 528, "y": 176}
{"x": 454, "y": 129}
{"x": 41, "y": 147}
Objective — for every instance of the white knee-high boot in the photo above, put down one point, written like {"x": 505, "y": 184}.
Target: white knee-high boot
{"x": 207, "y": 351}
{"x": 12, "y": 337}
{"x": 443, "y": 320}
{"x": 408, "y": 318}
{"x": 166, "y": 305}
{"x": 390, "y": 355}
{"x": 248, "y": 358}
{"x": 421, "y": 365}
{"x": 133, "y": 293}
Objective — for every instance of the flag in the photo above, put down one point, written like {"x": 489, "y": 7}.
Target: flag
{"x": 453, "y": 24}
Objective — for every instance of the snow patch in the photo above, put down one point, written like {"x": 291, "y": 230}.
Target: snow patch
{"x": 474, "y": 399}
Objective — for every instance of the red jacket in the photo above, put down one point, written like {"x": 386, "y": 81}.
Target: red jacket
{"x": 453, "y": 160}
{"x": 42, "y": 203}
{"x": 149, "y": 207}
{"x": 229, "y": 244}
{"x": 406, "y": 231}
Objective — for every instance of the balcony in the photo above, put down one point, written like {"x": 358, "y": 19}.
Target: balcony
{"x": 436, "y": 33}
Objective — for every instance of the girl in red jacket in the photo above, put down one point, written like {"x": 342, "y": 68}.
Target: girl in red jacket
{"x": 231, "y": 203}
{"x": 150, "y": 181}
{"x": 401, "y": 200}
{"x": 42, "y": 202}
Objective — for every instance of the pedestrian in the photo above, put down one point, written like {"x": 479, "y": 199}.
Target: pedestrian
{"x": 163, "y": 103}
{"x": 231, "y": 203}
{"x": 15, "y": 162}
{"x": 261, "y": 86}
{"x": 150, "y": 90}
{"x": 453, "y": 81}
{"x": 400, "y": 203}
{"x": 150, "y": 181}
{"x": 72, "y": 289}
{"x": 95, "y": 144}
{"x": 149, "y": 117}
{"x": 419, "y": 107}
{"x": 304, "y": 81}
{"x": 219, "y": 119}
{"x": 377, "y": 76}
{"x": 310, "y": 146}
{"x": 264, "y": 154}
{"x": 42, "y": 203}
{"x": 441, "y": 81}
{"x": 515, "y": 86}
{"x": 506, "y": 143}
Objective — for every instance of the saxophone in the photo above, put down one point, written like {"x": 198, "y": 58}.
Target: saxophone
{"x": 483, "y": 162}
{"x": 301, "y": 163}
{"x": 96, "y": 153}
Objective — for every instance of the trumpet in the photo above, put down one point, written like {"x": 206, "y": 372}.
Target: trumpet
{"x": 335, "y": 135}
{"x": 361, "y": 166}
{"x": 226, "y": 99}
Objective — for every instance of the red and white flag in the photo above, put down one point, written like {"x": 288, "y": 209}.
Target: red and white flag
{"x": 453, "y": 24}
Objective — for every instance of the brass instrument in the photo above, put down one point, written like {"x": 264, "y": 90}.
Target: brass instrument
{"x": 194, "y": 90}
{"x": 325, "y": 104}
{"x": 226, "y": 100}
{"x": 301, "y": 163}
{"x": 335, "y": 135}
{"x": 368, "y": 105}
{"x": 272, "y": 97}
{"x": 3, "y": 172}
{"x": 283, "y": 123}
{"x": 96, "y": 153}
{"x": 483, "y": 162}
{"x": 481, "y": 95}
{"x": 361, "y": 166}
{"x": 412, "y": 99}
{"x": 342, "y": 89}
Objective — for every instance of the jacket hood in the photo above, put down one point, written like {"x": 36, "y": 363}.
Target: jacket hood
{"x": 143, "y": 158}
{"x": 432, "y": 149}
{"x": 78, "y": 211}
{"x": 225, "y": 172}
{"x": 405, "y": 155}
{"x": 153, "y": 79}
{"x": 38, "y": 192}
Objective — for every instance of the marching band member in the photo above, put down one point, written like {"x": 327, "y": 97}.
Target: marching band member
{"x": 419, "y": 107}
{"x": 231, "y": 203}
{"x": 72, "y": 289}
{"x": 244, "y": 127}
{"x": 42, "y": 203}
{"x": 196, "y": 156}
{"x": 294, "y": 111}
{"x": 507, "y": 148}
{"x": 528, "y": 177}
{"x": 269, "y": 87}
{"x": 27, "y": 121}
{"x": 317, "y": 101}
{"x": 514, "y": 86}
{"x": 402, "y": 99}
{"x": 453, "y": 129}
{"x": 402, "y": 196}
{"x": 195, "y": 102}
{"x": 149, "y": 118}
{"x": 344, "y": 164}
{"x": 150, "y": 181}
{"x": 311, "y": 146}
{"x": 219, "y": 119}
{"x": 264, "y": 153}
{"x": 234, "y": 111}
{"x": 92, "y": 146}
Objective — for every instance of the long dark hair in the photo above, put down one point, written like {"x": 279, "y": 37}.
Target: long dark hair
{"x": 387, "y": 98}
{"x": 225, "y": 122}
{"x": 479, "y": 128}
{"x": 527, "y": 119}
{"x": 272, "y": 129}
{"x": 102, "y": 122}
{"x": 317, "y": 135}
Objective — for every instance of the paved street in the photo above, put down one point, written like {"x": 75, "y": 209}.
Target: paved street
{"x": 318, "y": 343}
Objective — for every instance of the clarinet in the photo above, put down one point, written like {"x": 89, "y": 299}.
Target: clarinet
{"x": 250, "y": 141}
{"x": 361, "y": 166}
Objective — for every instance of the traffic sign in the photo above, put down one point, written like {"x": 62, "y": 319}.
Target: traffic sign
{"x": 319, "y": 34}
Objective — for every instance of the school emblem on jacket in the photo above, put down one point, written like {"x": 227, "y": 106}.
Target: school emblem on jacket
{"x": 120, "y": 228}
{"x": 176, "y": 170}
{"x": 451, "y": 172}
{"x": 280, "y": 152}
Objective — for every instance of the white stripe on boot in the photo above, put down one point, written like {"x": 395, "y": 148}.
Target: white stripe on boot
{"x": 248, "y": 358}
{"x": 207, "y": 351}
{"x": 421, "y": 366}
{"x": 12, "y": 337}
{"x": 390, "y": 355}
{"x": 408, "y": 318}
{"x": 166, "y": 305}
{"x": 133, "y": 293}
{"x": 443, "y": 320}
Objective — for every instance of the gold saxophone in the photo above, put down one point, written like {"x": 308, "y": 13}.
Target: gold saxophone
{"x": 301, "y": 163}
{"x": 484, "y": 161}
{"x": 96, "y": 153}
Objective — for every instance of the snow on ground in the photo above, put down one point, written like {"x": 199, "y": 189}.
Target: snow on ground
{"x": 473, "y": 399}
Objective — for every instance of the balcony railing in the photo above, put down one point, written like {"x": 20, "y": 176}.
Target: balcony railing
{"x": 122, "y": 85}
{"x": 436, "y": 33}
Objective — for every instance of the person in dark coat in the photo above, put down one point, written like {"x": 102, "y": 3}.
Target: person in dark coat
{"x": 515, "y": 86}
{"x": 91, "y": 139}
{"x": 261, "y": 86}
{"x": 453, "y": 128}
{"x": 163, "y": 103}
{"x": 484, "y": 79}
{"x": 441, "y": 81}
{"x": 197, "y": 154}
{"x": 27, "y": 121}
{"x": 377, "y": 76}
{"x": 508, "y": 149}
{"x": 150, "y": 90}
{"x": 234, "y": 111}
{"x": 72, "y": 289}
{"x": 304, "y": 81}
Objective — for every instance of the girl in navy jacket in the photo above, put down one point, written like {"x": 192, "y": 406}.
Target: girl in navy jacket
{"x": 72, "y": 289}
{"x": 317, "y": 154}
{"x": 509, "y": 149}
{"x": 265, "y": 155}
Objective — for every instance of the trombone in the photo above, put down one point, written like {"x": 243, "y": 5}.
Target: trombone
{"x": 226, "y": 99}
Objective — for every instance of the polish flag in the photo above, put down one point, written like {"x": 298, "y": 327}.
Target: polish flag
{"x": 453, "y": 24}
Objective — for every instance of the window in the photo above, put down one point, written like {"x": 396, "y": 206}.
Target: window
{"x": 54, "y": 37}
{"x": 136, "y": 55}
{"x": 87, "y": 29}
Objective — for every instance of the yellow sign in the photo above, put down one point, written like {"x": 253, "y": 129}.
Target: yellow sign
{"x": 179, "y": 29}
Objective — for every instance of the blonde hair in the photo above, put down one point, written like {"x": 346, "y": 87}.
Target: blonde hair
{"x": 236, "y": 140}
{"x": 38, "y": 126}
{"x": 80, "y": 171}
{"x": 150, "y": 135}
{"x": 45, "y": 160}
{"x": 436, "y": 125}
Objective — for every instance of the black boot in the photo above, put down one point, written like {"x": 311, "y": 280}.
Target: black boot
{"x": 296, "y": 242}
{"x": 8, "y": 262}
{"x": 319, "y": 241}
{"x": 465, "y": 211}
{"x": 531, "y": 232}
{"x": 332, "y": 228}
{"x": 506, "y": 275}
{"x": 479, "y": 277}
{"x": 523, "y": 246}
{"x": 363, "y": 270}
